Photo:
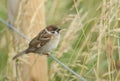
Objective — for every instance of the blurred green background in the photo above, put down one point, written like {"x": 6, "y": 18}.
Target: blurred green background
{"x": 3, "y": 45}
{"x": 89, "y": 44}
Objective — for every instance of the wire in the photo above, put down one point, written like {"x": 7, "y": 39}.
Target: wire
{"x": 54, "y": 58}
{"x": 14, "y": 28}
{"x": 66, "y": 67}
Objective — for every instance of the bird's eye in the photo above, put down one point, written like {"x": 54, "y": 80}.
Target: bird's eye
{"x": 53, "y": 32}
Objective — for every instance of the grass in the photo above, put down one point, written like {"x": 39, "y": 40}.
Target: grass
{"x": 89, "y": 48}
{"x": 90, "y": 42}
{"x": 3, "y": 43}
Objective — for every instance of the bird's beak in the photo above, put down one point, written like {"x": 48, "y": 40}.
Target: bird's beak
{"x": 58, "y": 30}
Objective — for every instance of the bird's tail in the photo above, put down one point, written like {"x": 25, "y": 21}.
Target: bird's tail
{"x": 20, "y": 54}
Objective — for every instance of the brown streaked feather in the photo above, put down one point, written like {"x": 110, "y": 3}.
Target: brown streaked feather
{"x": 40, "y": 40}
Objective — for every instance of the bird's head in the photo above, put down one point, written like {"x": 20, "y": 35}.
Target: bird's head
{"x": 53, "y": 29}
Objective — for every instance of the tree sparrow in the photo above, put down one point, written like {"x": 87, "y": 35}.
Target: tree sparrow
{"x": 44, "y": 42}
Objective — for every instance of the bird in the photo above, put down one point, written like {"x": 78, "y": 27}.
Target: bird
{"x": 44, "y": 42}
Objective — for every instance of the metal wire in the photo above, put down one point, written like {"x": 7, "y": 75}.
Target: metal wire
{"x": 14, "y": 28}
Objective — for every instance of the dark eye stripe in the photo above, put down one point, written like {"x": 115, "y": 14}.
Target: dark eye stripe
{"x": 52, "y": 31}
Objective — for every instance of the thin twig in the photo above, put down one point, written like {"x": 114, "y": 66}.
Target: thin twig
{"x": 54, "y": 58}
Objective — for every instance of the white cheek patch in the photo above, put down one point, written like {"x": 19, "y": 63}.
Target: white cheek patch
{"x": 56, "y": 32}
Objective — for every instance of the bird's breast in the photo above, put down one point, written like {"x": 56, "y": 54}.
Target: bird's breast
{"x": 52, "y": 44}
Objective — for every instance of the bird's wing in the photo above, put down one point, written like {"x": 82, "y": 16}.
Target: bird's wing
{"x": 40, "y": 40}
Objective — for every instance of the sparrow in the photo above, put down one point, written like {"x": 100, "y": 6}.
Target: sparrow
{"x": 44, "y": 42}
